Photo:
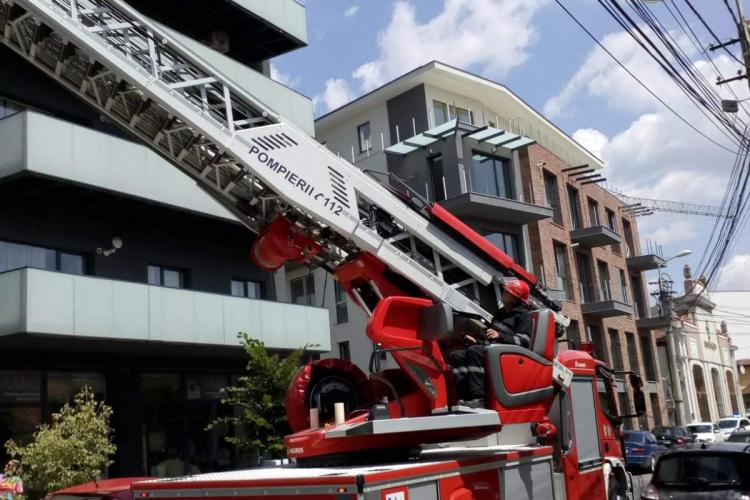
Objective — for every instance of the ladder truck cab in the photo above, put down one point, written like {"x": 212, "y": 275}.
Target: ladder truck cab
{"x": 551, "y": 427}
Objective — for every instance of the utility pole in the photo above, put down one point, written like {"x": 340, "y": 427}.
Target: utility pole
{"x": 665, "y": 294}
{"x": 744, "y": 36}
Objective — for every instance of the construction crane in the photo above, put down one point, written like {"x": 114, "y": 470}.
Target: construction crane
{"x": 421, "y": 275}
{"x": 639, "y": 207}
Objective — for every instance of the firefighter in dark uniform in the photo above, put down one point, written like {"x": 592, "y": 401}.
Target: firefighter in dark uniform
{"x": 511, "y": 325}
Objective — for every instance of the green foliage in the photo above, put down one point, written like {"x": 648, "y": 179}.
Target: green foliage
{"x": 259, "y": 415}
{"x": 73, "y": 449}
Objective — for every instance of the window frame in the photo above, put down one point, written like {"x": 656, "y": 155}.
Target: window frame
{"x": 554, "y": 204}
{"x": 574, "y": 207}
{"x": 501, "y": 169}
{"x": 182, "y": 273}
{"x": 593, "y": 206}
{"x": 365, "y": 143}
{"x": 246, "y": 288}
{"x": 307, "y": 278}
{"x": 339, "y": 300}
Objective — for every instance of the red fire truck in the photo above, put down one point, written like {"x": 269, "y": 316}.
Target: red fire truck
{"x": 551, "y": 428}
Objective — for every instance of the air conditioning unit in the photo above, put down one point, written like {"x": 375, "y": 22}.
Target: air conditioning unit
{"x": 219, "y": 41}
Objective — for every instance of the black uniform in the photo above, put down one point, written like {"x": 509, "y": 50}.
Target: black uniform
{"x": 514, "y": 327}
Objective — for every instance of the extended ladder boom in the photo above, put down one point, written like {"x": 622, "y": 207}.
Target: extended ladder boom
{"x": 237, "y": 149}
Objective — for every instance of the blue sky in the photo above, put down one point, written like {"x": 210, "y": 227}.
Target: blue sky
{"x": 535, "y": 49}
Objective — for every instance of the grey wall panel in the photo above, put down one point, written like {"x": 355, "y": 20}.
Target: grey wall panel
{"x": 528, "y": 481}
{"x": 405, "y": 107}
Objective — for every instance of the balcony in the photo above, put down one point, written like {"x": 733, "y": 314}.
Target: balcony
{"x": 50, "y": 303}
{"x": 602, "y": 304}
{"x": 257, "y": 30}
{"x": 33, "y": 143}
{"x": 496, "y": 209}
{"x": 640, "y": 263}
{"x": 595, "y": 236}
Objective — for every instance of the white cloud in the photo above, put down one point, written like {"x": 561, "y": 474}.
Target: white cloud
{"x": 336, "y": 94}
{"x": 493, "y": 35}
{"x": 735, "y": 275}
{"x": 591, "y": 139}
{"x": 351, "y": 11}
{"x": 283, "y": 78}
{"x": 667, "y": 230}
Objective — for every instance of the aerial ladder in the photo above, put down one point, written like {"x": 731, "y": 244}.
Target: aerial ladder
{"x": 416, "y": 270}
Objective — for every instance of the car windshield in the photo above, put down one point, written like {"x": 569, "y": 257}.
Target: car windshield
{"x": 661, "y": 431}
{"x": 700, "y": 469}
{"x": 739, "y": 438}
{"x": 730, "y": 423}
{"x": 635, "y": 437}
{"x": 697, "y": 429}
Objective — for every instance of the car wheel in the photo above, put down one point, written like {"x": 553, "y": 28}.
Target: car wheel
{"x": 652, "y": 465}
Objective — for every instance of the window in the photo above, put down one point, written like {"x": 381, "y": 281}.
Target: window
{"x": 584, "y": 409}
{"x": 437, "y": 178}
{"x": 615, "y": 349}
{"x": 247, "y": 288}
{"x": 441, "y": 112}
{"x": 165, "y": 276}
{"x": 463, "y": 115}
{"x": 595, "y": 336}
{"x": 594, "y": 213}
{"x": 17, "y": 256}
{"x": 588, "y": 291}
{"x": 552, "y": 197}
{"x": 572, "y": 332}
{"x": 623, "y": 286}
{"x": 344, "y": 352}
{"x": 342, "y": 312}
{"x": 611, "y": 220}
{"x": 605, "y": 288}
{"x": 632, "y": 353}
{"x": 575, "y": 211}
{"x": 303, "y": 290}
{"x": 491, "y": 175}
{"x": 562, "y": 275}
{"x": 508, "y": 243}
{"x": 648, "y": 357}
{"x": 363, "y": 133}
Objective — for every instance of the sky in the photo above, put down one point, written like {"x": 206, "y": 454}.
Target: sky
{"x": 532, "y": 47}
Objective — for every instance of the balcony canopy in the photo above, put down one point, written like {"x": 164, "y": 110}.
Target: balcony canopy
{"x": 489, "y": 135}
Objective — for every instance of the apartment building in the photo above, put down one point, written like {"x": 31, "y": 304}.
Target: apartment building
{"x": 117, "y": 272}
{"x": 476, "y": 148}
{"x": 705, "y": 355}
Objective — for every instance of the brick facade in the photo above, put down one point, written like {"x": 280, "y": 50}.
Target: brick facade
{"x": 612, "y": 341}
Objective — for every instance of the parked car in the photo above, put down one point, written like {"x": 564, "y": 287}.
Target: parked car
{"x": 701, "y": 471}
{"x": 672, "y": 435}
{"x": 642, "y": 449}
{"x": 705, "y": 432}
{"x": 730, "y": 424}
{"x": 739, "y": 437}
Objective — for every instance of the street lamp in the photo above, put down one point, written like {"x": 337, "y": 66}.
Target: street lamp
{"x": 674, "y": 366}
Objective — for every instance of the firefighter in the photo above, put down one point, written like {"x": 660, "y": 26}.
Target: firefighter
{"x": 511, "y": 325}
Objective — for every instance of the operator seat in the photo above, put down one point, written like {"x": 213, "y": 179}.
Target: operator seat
{"x": 519, "y": 380}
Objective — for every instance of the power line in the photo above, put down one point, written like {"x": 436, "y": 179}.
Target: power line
{"x": 686, "y": 122}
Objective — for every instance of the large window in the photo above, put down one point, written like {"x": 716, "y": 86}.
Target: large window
{"x": 648, "y": 357}
{"x": 303, "y": 290}
{"x": 464, "y": 115}
{"x": 491, "y": 175}
{"x": 575, "y": 209}
{"x": 562, "y": 273}
{"x": 588, "y": 290}
{"x": 437, "y": 178}
{"x": 342, "y": 311}
{"x": 440, "y": 109}
{"x": 616, "y": 349}
{"x": 552, "y": 197}
{"x": 508, "y": 243}
{"x": 594, "y": 213}
{"x": 632, "y": 352}
{"x": 247, "y": 288}
{"x": 166, "y": 276}
{"x": 17, "y": 256}
{"x": 605, "y": 288}
{"x": 622, "y": 286}
{"x": 595, "y": 336}
{"x": 364, "y": 136}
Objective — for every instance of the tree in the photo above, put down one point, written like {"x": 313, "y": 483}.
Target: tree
{"x": 73, "y": 449}
{"x": 258, "y": 399}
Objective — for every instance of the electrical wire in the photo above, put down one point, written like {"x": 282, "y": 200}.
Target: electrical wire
{"x": 711, "y": 32}
{"x": 630, "y": 73}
